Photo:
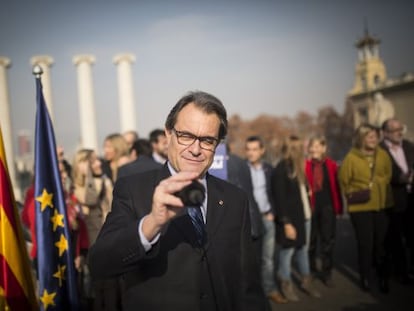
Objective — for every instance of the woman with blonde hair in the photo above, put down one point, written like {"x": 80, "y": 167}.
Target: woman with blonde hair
{"x": 92, "y": 189}
{"x": 326, "y": 203}
{"x": 365, "y": 176}
{"x": 116, "y": 154}
{"x": 293, "y": 213}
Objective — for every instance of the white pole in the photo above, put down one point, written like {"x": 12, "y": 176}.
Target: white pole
{"x": 89, "y": 138}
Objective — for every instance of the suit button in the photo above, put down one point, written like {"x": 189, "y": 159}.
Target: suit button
{"x": 203, "y": 296}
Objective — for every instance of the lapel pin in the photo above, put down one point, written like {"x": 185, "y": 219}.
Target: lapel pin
{"x": 221, "y": 202}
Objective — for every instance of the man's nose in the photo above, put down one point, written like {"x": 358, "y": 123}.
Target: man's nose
{"x": 195, "y": 148}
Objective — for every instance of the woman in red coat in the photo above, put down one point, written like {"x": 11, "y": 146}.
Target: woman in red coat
{"x": 326, "y": 203}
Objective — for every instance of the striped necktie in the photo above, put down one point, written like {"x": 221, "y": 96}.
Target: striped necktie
{"x": 198, "y": 223}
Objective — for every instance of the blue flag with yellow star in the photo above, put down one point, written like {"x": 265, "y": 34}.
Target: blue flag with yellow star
{"x": 56, "y": 270}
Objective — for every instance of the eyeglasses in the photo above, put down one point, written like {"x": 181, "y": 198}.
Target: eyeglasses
{"x": 187, "y": 139}
{"x": 398, "y": 129}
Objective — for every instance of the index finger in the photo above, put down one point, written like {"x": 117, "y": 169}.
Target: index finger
{"x": 184, "y": 176}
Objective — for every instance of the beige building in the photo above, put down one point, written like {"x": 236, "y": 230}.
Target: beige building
{"x": 374, "y": 96}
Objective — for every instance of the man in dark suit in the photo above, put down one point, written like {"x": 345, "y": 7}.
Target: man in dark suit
{"x": 172, "y": 257}
{"x": 159, "y": 145}
{"x": 260, "y": 174}
{"x": 401, "y": 215}
{"x": 143, "y": 162}
{"x": 238, "y": 173}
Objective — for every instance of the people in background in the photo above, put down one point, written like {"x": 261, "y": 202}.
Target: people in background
{"x": 400, "y": 234}
{"x": 60, "y": 151}
{"x": 260, "y": 172}
{"x": 238, "y": 173}
{"x": 77, "y": 226}
{"x": 368, "y": 167}
{"x": 130, "y": 137}
{"x": 93, "y": 190}
{"x": 143, "y": 160}
{"x": 159, "y": 145}
{"x": 326, "y": 203}
{"x": 116, "y": 154}
{"x": 293, "y": 211}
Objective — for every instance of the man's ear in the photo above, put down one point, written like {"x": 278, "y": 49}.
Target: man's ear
{"x": 168, "y": 134}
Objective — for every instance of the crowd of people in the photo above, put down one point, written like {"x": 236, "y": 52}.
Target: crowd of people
{"x": 134, "y": 240}
{"x": 88, "y": 183}
{"x": 300, "y": 199}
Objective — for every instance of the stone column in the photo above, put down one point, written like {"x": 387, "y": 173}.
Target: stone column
{"x": 45, "y": 62}
{"x": 89, "y": 138}
{"x": 5, "y": 123}
{"x": 126, "y": 91}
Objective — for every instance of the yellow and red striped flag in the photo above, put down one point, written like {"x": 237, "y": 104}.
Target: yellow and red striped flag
{"x": 16, "y": 281}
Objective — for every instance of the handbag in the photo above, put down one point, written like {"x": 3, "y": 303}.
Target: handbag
{"x": 363, "y": 195}
{"x": 359, "y": 197}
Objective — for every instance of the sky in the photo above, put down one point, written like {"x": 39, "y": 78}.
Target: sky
{"x": 258, "y": 57}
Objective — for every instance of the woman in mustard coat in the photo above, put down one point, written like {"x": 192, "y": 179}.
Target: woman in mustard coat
{"x": 367, "y": 166}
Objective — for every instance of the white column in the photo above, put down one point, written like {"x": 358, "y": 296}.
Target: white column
{"x": 5, "y": 124}
{"x": 45, "y": 62}
{"x": 126, "y": 91}
{"x": 89, "y": 138}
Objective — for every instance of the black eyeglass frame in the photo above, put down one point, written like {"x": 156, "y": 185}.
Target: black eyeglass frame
{"x": 187, "y": 139}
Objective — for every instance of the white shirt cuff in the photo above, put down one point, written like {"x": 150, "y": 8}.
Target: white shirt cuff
{"x": 145, "y": 243}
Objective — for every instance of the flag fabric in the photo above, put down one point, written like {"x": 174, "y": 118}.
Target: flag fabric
{"x": 16, "y": 280}
{"x": 56, "y": 271}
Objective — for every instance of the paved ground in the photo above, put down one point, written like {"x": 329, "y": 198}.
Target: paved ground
{"x": 346, "y": 295}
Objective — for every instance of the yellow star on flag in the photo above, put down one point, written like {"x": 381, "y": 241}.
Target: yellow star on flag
{"x": 47, "y": 299}
{"x": 45, "y": 200}
{"x": 62, "y": 244}
{"x": 57, "y": 220}
{"x": 60, "y": 274}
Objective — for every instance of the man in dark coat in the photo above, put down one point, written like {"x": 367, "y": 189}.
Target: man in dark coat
{"x": 400, "y": 233}
{"x": 238, "y": 173}
{"x": 143, "y": 162}
{"x": 175, "y": 257}
{"x": 260, "y": 174}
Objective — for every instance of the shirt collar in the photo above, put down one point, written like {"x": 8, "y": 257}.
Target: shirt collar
{"x": 391, "y": 145}
{"x": 258, "y": 167}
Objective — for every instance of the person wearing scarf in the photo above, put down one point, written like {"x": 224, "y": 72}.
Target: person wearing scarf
{"x": 326, "y": 203}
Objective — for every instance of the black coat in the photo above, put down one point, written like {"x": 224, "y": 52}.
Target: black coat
{"x": 176, "y": 275}
{"x": 288, "y": 205}
{"x": 268, "y": 170}
{"x": 142, "y": 164}
{"x": 398, "y": 186}
{"x": 238, "y": 173}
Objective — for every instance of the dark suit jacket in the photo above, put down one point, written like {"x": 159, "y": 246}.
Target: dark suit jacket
{"x": 238, "y": 173}
{"x": 399, "y": 189}
{"x": 176, "y": 274}
{"x": 268, "y": 170}
{"x": 142, "y": 164}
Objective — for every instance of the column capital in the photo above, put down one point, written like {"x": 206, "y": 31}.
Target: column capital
{"x": 128, "y": 57}
{"x": 5, "y": 62}
{"x": 83, "y": 58}
{"x": 42, "y": 59}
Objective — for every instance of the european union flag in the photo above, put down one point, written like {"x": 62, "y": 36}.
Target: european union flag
{"x": 56, "y": 270}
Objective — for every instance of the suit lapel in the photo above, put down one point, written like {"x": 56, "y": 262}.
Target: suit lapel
{"x": 216, "y": 208}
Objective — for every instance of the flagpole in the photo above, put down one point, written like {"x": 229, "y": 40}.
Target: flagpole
{"x": 57, "y": 286}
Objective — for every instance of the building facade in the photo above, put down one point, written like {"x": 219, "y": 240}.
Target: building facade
{"x": 375, "y": 97}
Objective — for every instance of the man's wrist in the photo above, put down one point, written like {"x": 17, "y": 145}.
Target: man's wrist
{"x": 149, "y": 227}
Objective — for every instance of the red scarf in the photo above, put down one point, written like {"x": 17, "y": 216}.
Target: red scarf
{"x": 317, "y": 175}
